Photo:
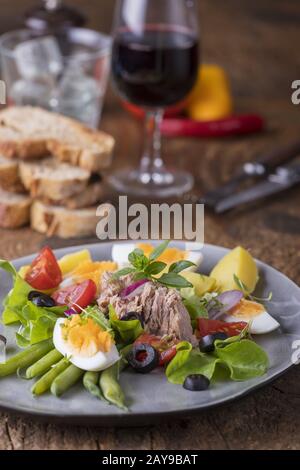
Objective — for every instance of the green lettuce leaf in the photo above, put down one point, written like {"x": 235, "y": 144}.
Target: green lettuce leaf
{"x": 188, "y": 361}
{"x": 245, "y": 359}
{"x": 126, "y": 331}
{"x": 194, "y": 305}
{"x": 37, "y": 324}
{"x": 241, "y": 360}
{"x": 16, "y": 298}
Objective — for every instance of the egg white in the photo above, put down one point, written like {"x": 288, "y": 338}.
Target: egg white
{"x": 120, "y": 253}
{"x": 100, "y": 361}
{"x": 195, "y": 257}
{"x": 259, "y": 325}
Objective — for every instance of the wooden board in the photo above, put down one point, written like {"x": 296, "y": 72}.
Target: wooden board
{"x": 255, "y": 42}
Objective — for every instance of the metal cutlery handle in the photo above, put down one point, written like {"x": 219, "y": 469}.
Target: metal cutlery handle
{"x": 277, "y": 157}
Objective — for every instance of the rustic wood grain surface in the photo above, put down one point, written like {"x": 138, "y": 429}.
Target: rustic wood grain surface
{"x": 257, "y": 43}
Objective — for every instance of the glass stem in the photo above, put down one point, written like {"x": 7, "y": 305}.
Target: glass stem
{"x": 152, "y": 164}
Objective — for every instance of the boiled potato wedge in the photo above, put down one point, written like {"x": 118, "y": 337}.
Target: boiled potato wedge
{"x": 202, "y": 284}
{"x": 238, "y": 262}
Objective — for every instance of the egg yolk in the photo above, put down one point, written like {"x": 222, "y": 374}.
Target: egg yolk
{"x": 170, "y": 255}
{"x": 93, "y": 270}
{"x": 84, "y": 337}
{"x": 247, "y": 309}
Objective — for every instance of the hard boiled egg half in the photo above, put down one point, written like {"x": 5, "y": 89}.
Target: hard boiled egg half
{"x": 255, "y": 314}
{"x": 171, "y": 255}
{"x": 84, "y": 343}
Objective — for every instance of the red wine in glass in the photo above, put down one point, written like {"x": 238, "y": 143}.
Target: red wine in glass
{"x": 155, "y": 70}
{"x": 155, "y": 61}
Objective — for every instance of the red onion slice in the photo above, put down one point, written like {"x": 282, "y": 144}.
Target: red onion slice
{"x": 132, "y": 290}
{"x": 227, "y": 300}
{"x": 70, "y": 312}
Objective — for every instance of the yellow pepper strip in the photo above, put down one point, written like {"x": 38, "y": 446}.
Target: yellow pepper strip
{"x": 69, "y": 262}
{"x": 211, "y": 97}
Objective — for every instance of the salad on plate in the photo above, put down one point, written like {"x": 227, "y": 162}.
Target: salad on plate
{"x": 147, "y": 309}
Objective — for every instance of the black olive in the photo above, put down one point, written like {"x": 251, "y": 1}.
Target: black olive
{"x": 133, "y": 316}
{"x": 41, "y": 300}
{"x": 196, "y": 383}
{"x": 220, "y": 336}
{"x": 3, "y": 339}
{"x": 207, "y": 344}
{"x": 143, "y": 358}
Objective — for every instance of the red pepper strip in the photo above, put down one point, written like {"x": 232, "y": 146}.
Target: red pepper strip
{"x": 235, "y": 125}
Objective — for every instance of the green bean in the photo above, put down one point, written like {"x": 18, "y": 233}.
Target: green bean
{"x": 66, "y": 380}
{"x": 124, "y": 353}
{"x": 25, "y": 358}
{"x": 45, "y": 382}
{"x": 109, "y": 384}
{"x": 44, "y": 364}
{"x": 90, "y": 382}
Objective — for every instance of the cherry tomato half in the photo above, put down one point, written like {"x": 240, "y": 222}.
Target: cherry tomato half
{"x": 167, "y": 349}
{"x": 78, "y": 296}
{"x": 44, "y": 272}
{"x": 210, "y": 327}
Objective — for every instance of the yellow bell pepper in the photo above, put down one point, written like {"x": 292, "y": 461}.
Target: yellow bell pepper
{"x": 211, "y": 97}
{"x": 69, "y": 262}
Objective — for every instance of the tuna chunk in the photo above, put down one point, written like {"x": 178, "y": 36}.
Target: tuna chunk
{"x": 162, "y": 308}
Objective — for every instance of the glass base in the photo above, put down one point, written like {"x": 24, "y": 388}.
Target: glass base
{"x": 162, "y": 184}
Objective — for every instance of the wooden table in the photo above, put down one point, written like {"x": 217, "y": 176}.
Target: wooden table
{"x": 257, "y": 44}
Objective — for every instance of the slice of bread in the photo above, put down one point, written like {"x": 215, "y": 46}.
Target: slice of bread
{"x": 53, "y": 180}
{"x": 14, "y": 144}
{"x": 29, "y": 133}
{"x": 14, "y": 210}
{"x": 90, "y": 196}
{"x": 62, "y": 222}
{"x": 9, "y": 176}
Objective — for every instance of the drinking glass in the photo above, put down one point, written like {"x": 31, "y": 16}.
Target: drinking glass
{"x": 63, "y": 71}
{"x": 155, "y": 62}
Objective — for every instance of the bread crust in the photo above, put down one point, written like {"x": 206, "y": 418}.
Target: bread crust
{"x": 14, "y": 210}
{"x": 52, "y": 180}
{"x": 61, "y": 222}
{"x": 31, "y": 133}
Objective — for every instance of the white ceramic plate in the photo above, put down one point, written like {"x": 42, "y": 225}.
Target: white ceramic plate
{"x": 151, "y": 397}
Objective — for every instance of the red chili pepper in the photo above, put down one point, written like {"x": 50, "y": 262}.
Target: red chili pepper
{"x": 235, "y": 125}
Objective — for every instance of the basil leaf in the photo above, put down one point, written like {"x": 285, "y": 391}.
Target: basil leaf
{"x": 158, "y": 250}
{"x": 123, "y": 272}
{"x": 155, "y": 268}
{"x": 180, "y": 266}
{"x": 140, "y": 275}
{"x": 138, "y": 259}
{"x": 174, "y": 280}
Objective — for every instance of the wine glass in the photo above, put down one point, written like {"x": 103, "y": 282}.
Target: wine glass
{"x": 51, "y": 15}
{"x": 154, "y": 66}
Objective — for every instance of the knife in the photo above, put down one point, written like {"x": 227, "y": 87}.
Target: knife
{"x": 284, "y": 178}
{"x": 253, "y": 170}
